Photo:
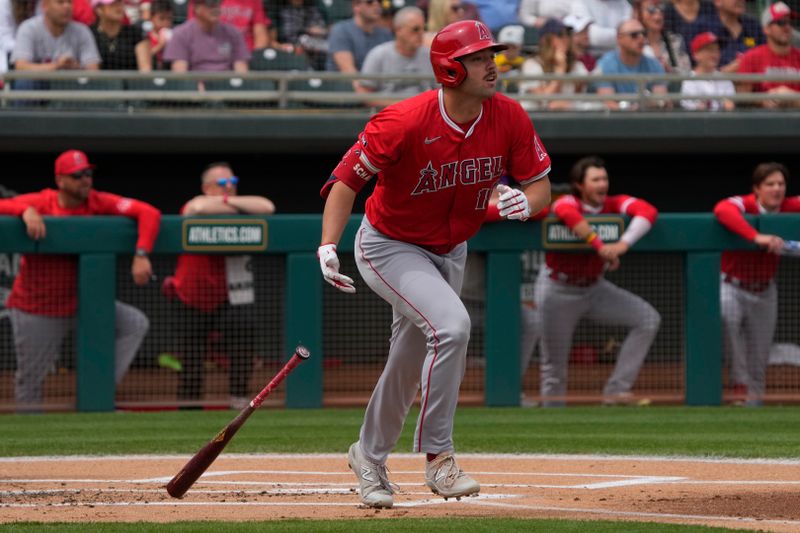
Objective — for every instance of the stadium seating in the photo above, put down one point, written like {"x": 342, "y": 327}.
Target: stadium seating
{"x": 273, "y": 59}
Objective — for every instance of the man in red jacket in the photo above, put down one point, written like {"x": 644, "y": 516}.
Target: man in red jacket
{"x": 748, "y": 297}
{"x": 571, "y": 286}
{"x": 43, "y": 300}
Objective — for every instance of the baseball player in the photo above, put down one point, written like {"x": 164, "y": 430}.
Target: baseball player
{"x": 748, "y": 296}
{"x": 42, "y": 302}
{"x": 437, "y": 156}
{"x": 571, "y": 286}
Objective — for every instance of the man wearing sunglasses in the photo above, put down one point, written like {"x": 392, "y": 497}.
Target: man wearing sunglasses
{"x": 404, "y": 55}
{"x": 435, "y": 157}
{"x": 43, "y": 300}
{"x": 778, "y": 56}
{"x": 350, "y": 40}
{"x": 216, "y": 292}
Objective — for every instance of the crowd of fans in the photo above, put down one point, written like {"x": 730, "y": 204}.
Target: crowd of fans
{"x": 577, "y": 37}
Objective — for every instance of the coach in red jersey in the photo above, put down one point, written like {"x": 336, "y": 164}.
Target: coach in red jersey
{"x": 436, "y": 158}
{"x": 748, "y": 296}
{"x": 571, "y": 286}
{"x": 216, "y": 292}
{"x": 42, "y": 302}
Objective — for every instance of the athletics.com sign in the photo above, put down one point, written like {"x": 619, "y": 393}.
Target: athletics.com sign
{"x": 218, "y": 235}
{"x": 556, "y": 234}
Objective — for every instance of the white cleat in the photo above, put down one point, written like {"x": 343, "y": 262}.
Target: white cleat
{"x": 445, "y": 478}
{"x": 374, "y": 486}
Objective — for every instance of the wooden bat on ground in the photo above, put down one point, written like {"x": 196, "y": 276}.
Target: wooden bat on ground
{"x": 198, "y": 464}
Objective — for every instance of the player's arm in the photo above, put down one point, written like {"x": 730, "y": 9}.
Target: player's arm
{"x": 643, "y": 216}
{"x": 730, "y": 213}
{"x": 25, "y": 206}
{"x": 230, "y": 205}
{"x": 338, "y": 207}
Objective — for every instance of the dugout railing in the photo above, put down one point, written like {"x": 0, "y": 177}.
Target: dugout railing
{"x": 97, "y": 241}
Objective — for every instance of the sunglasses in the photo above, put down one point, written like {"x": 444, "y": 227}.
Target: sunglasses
{"x": 233, "y": 180}
{"x": 782, "y": 22}
{"x": 416, "y": 29}
{"x": 86, "y": 173}
{"x": 370, "y": 2}
{"x": 457, "y": 7}
{"x": 652, "y": 10}
{"x": 635, "y": 34}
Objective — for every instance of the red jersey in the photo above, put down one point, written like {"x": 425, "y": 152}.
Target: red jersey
{"x": 46, "y": 283}
{"x": 749, "y": 267}
{"x": 200, "y": 280}
{"x": 762, "y": 60}
{"x": 435, "y": 177}
{"x": 570, "y": 210}
{"x": 242, "y": 14}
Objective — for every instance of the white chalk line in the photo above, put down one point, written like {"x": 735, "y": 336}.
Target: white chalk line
{"x": 634, "y": 514}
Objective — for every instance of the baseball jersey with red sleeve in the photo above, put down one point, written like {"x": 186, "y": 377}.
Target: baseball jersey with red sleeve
{"x": 434, "y": 176}
{"x": 46, "y": 283}
{"x": 749, "y": 267}
{"x": 762, "y": 60}
{"x": 200, "y": 280}
{"x": 571, "y": 211}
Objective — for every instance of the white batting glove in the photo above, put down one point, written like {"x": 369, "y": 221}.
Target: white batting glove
{"x": 329, "y": 264}
{"x": 513, "y": 203}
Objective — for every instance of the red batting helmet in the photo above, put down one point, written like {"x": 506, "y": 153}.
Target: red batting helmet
{"x": 456, "y": 41}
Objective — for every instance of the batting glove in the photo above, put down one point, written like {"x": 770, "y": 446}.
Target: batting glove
{"x": 513, "y": 203}
{"x": 329, "y": 264}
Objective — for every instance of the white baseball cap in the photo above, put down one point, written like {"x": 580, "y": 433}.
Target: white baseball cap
{"x": 577, "y": 22}
{"x": 511, "y": 34}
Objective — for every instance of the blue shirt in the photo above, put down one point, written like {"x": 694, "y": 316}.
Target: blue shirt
{"x": 345, "y": 36}
{"x": 729, "y": 46}
{"x": 610, "y": 63}
{"x": 498, "y": 13}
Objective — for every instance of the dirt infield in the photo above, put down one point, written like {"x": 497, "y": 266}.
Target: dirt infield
{"x": 759, "y": 495}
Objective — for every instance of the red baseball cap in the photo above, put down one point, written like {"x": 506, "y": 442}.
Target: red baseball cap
{"x": 701, "y": 40}
{"x": 72, "y": 161}
{"x": 774, "y": 13}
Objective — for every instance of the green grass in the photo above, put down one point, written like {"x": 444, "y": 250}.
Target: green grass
{"x": 388, "y": 525}
{"x": 770, "y": 432}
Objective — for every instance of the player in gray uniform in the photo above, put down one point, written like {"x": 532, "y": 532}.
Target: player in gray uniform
{"x": 571, "y": 286}
{"x": 437, "y": 157}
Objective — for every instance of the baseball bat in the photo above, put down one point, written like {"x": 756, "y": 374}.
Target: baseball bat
{"x": 200, "y": 462}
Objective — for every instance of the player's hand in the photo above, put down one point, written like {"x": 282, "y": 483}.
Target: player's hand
{"x": 613, "y": 251}
{"x": 141, "y": 269}
{"x": 771, "y": 243}
{"x": 513, "y": 204}
{"x": 329, "y": 264}
{"x": 34, "y": 224}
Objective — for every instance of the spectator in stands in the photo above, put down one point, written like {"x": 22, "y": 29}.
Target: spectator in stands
{"x": 667, "y": 47}
{"x": 53, "y": 41}
{"x": 712, "y": 93}
{"x": 778, "y": 56}
{"x": 43, "y": 301}
{"x": 301, "y": 27}
{"x": 534, "y": 13}
{"x": 737, "y": 32}
{"x": 688, "y": 17}
{"x": 206, "y": 44}
{"x": 160, "y": 30}
{"x": 628, "y": 58}
{"x": 12, "y": 14}
{"x": 509, "y": 61}
{"x": 498, "y": 13}
{"x": 351, "y": 40}
{"x": 444, "y": 12}
{"x": 748, "y": 294}
{"x": 555, "y": 57}
{"x": 216, "y": 292}
{"x": 404, "y": 55}
{"x": 606, "y": 16}
{"x": 248, "y": 17}
{"x": 580, "y": 40}
{"x": 121, "y": 47}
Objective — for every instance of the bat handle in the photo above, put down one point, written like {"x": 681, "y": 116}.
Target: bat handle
{"x": 301, "y": 353}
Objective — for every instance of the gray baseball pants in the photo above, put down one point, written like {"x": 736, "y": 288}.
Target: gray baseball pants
{"x": 563, "y": 305}
{"x": 38, "y": 341}
{"x": 428, "y": 343}
{"x": 748, "y": 326}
